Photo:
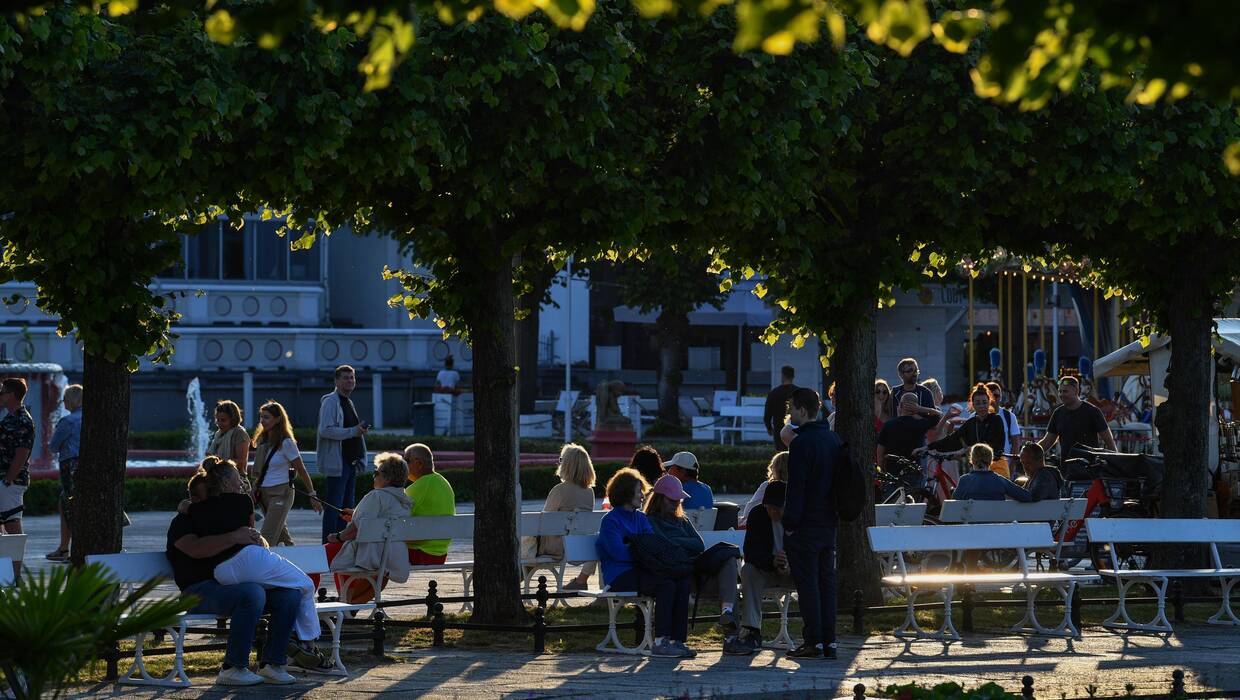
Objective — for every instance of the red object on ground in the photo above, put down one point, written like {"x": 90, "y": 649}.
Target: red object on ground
{"x": 613, "y": 444}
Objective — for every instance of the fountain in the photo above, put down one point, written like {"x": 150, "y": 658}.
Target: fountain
{"x": 199, "y": 428}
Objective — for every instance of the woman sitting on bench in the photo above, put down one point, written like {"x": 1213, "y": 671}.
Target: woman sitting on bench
{"x": 626, "y": 491}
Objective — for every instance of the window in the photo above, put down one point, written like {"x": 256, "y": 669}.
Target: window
{"x": 304, "y": 265}
{"x": 204, "y": 253}
{"x": 272, "y": 257}
{"x": 235, "y": 253}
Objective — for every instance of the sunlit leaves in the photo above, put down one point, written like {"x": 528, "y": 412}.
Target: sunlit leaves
{"x": 775, "y": 26}
{"x": 900, "y": 25}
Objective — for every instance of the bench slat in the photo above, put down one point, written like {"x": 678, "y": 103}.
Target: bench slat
{"x": 940, "y": 538}
{"x": 986, "y": 579}
{"x": 1011, "y": 511}
{"x": 13, "y": 546}
{"x": 899, "y": 514}
{"x": 1163, "y": 530}
{"x": 1172, "y": 573}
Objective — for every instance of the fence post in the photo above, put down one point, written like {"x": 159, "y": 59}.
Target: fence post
{"x": 323, "y": 594}
{"x": 1026, "y": 689}
{"x": 112, "y": 655}
{"x": 1177, "y": 600}
{"x": 859, "y": 691}
{"x": 967, "y": 605}
{"x": 1177, "y": 683}
{"x": 540, "y": 617}
{"x": 378, "y": 633}
{"x": 437, "y": 626}
{"x": 432, "y": 597}
{"x": 858, "y": 614}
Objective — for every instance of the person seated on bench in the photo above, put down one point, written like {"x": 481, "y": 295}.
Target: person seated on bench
{"x": 684, "y": 466}
{"x": 776, "y": 470}
{"x": 431, "y": 495}
{"x": 983, "y": 428}
{"x": 766, "y": 566}
{"x": 1045, "y": 481}
{"x": 626, "y": 490}
{"x": 574, "y": 492}
{"x": 667, "y": 517}
{"x": 983, "y": 484}
{"x": 229, "y": 507}
{"x": 387, "y": 500}
{"x": 193, "y": 558}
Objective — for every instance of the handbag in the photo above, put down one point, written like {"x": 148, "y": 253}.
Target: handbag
{"x": 257, "y": 492}
{"x": 657, "y": 556}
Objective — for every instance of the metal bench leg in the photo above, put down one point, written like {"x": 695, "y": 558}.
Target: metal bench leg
{"x": 912, "y": 629}
{"x": 335, "y": 623}
{"x": 176, "y": 678}
{"x": 1225, "y": 615}
{"x": 1030, "y": 622}
{"x": 1121, "y": 620}
{"x": 783, "y": 640}
{"x": 611, "y": 643}
{"x": 467, "y": 579}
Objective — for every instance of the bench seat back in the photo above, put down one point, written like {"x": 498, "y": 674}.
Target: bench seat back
{"x": 1012, "y": 511}
{"x": 1162, "y": 530}
{"x": 140, "y": 567}
{"x": 461, "y": 527}
{"x": 703, "y": 519}
{"x": 13, "y": 546}
{"x": 736, "y": 537}
{"x": 6, "y": 571}
{"x": 899, "y": 513}
{"x": 895, "y": 539}
{"x": 580, "y": 548}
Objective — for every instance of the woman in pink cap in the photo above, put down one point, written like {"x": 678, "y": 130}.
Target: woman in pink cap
{"x": 667, "y": 516}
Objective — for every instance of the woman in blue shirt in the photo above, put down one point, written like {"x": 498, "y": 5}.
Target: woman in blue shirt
{"x": 626, "y": 490}
{"x": 65, "y": 441}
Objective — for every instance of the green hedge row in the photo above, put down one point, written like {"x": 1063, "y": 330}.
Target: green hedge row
{"x": 536, "y": 482}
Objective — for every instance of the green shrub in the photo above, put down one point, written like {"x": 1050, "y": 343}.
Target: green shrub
{"x": 949, "y": 691}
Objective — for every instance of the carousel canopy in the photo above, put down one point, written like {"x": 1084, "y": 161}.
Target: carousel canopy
{"x": 1134, "y": 358}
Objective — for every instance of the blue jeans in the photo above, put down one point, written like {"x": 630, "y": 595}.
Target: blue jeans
{"x": 811, "y": 557}
{"x": 244, "y": 604}
{"x": 340, "y": 493}
{"x": 671, "y": 600}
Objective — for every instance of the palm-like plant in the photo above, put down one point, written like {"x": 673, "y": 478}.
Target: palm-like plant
{"x": 53, "y": 624}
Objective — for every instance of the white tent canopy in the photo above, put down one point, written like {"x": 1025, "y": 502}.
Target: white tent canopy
{"x": 1134, "y": 358}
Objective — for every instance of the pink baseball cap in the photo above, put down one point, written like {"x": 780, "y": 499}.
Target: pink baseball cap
{"x": 669, "y": 487}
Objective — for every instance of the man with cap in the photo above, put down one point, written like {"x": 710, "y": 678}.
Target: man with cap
{"x": 684, "y": 466}
{"x": 766, "y": 566}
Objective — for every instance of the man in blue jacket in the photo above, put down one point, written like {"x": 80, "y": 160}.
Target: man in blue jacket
{"x": 809, "y": 523}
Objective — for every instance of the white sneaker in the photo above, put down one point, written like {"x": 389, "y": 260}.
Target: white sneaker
{"x": 238, "y": 676}
{"x": 275, "y": 675}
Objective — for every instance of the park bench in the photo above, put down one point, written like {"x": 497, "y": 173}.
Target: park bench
{"x": 135, "y": 568}
{"x": 6, "y": 572}
{"x": 13, "y": 547}
{"x": 899, "y": 514}
{"x": 1116, "y": 532}
{"x": 581, "y": 548}
{"x": 1060, "y": 511}
{"x": 899, "y": 540}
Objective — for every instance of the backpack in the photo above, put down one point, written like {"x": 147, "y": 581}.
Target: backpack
{"x": 847, "y": 486}
{"x": 656, "y": 555}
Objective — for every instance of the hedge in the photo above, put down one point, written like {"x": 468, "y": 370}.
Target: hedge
{"x": 536, "y": 482}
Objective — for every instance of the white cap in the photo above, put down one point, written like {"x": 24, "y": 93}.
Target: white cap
{"x": 684, "y": 460}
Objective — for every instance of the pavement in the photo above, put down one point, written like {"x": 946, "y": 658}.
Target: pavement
{"x": 1102, "y": 660}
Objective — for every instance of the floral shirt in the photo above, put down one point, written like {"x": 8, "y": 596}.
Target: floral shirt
{"x": 16, "y": 432}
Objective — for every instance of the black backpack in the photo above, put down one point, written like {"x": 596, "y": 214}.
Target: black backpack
{"x": 847, "y": 486}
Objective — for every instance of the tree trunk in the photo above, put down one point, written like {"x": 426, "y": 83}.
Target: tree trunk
{"x": 527, "y": 358}
{"x": 497, "y": 578}
{"x": 1186, "y": 448}
{"x": 99, "y": 484}
{"x": 854, "y": 370}
{"x": 671, "y": 330}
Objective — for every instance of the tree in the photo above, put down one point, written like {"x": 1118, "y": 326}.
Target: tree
{"x": 670, "y": 285}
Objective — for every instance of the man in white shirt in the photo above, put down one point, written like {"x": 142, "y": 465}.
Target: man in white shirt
{"x": 447, "y": 380}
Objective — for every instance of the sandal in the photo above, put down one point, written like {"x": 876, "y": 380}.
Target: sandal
{"x": 60, "y": 554}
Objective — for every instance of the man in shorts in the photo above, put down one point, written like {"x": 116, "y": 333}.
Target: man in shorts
{"x": 16, "y": 441}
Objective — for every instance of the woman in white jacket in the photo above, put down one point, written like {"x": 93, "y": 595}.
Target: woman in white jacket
{"x": 344, "y": 552}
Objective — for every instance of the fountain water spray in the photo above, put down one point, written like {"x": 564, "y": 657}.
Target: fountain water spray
{"x": 199, "y": 428}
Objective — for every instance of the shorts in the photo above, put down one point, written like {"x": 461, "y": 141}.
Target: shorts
{"x": 12, "y": 502}
{"x": 67, "y": 468}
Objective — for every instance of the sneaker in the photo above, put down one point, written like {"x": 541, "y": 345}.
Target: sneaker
{"x": 275, "y": 675}
{"x": 666, "y": 648}
{"x": 727, "y": 623}
{"x": 806, "y": 651}
{"x": 829, "y": 651}
{"x": 685, "y": 651}
{"x": 58, "y": 555}
{"x": 575, "y": 585}
{"x": 742, "y": 646}
{"x": 238, "y": 676}
{"x": 308, "y": 657}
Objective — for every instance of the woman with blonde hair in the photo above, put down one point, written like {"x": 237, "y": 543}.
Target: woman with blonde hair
{"x": 386, "y": 501}
{"x": 230, "y": 440}
{"x": 776, "y": 470}
{"x": 277, "y": 459}
{"x": 982, "y": 483}
{"x": 574, "y": 492}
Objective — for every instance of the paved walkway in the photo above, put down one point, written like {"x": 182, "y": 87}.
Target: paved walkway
{"x": 1060, "y": 668}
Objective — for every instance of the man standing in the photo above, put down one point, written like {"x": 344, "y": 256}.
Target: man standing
{"x": 16, "y": 441}
{"x": 909, "y": 371}
{"x": 1075, "y": 422}
{"x": 448, "y": 378}
{"x": 194, "y": 558}
{"x": 341, "y": 448}
{"x": 777, "y": 405}
{"x": 809, "y": 523}
{"x": 431, "y": 495}
{"x": 907, "y": 431}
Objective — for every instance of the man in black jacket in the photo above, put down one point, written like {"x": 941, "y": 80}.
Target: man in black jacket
{"x": 766, "y": 566}
{"x": 809, "y": 523}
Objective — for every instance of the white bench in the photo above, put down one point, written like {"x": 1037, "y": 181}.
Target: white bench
{"x": 135, "y": 568}
{"x": 12, "y": 547}
{"x": 6, "y": 572}
{"x": 1119, "y": 531}
{"x": 581, "y": 548}
{"x": 1061, "y": 511}
{"x": 898, "y": 540}
{"x": 899, "y": 514}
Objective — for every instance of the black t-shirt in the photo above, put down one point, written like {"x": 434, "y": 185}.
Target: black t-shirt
{"x": 903, "y": 434}
{"x": 1076, "y": 427}
{"x": 924, "y": 398}
{"x": 187, "y": 570}
{"x": 351, "y": 449}
{"x": 776, "y": 407}
{"x": 222, "y": 514}
{"x": 16, "y": 432}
